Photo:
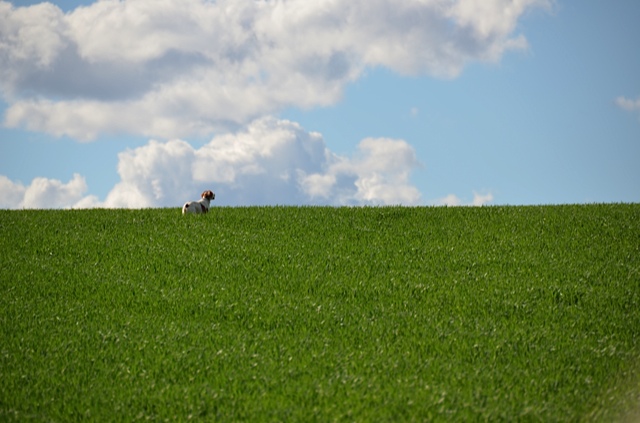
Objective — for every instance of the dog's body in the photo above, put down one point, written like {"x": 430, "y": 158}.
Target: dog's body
{"x": 200, "y": 206}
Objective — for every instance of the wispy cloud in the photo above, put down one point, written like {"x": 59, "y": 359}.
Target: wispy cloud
{"x": 627, "y": 104}
{"x": 176, "y": 69}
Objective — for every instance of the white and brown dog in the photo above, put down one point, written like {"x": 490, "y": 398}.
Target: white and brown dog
{"x": 200, "y": 206}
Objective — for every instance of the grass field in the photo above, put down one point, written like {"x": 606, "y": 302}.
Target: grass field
{"x": 321, "y": 314}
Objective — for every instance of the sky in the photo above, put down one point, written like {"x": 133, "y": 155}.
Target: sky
{"x": 147, "y": 103}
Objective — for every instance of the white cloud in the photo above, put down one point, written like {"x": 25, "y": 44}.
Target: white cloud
{"x": 382, "y": 172}
{"x": 174, "y": 69}
{"x": 271, "y": 161}
{"x": 156, "y": 174}
{"x": 449, "y": 200}
{"x": 454, "y": 200}
{"x": 481, "y": 199}
{"x": 11, "y": 193}
{"x": 45, "y": 193}
{"x": 628, "y": 104}
{"x": 369, "y": 178}
{"x": 33, "y": 35}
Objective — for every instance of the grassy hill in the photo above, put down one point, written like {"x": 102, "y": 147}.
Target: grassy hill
{"x": 321, "y": 314}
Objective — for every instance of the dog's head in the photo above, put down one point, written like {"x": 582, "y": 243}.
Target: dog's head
{"x": 209, "y": 195}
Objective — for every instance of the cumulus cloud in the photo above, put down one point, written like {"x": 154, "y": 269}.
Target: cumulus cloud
{"x": 11, "y": 193}
{"x": 45, "y": 193}
{"x": 380, "y": 172}
{"x": 175, "y": 69}
{"x": 156, "y": 174}
{"x": 453, "y": 200}
{"x": 271, "y": 161}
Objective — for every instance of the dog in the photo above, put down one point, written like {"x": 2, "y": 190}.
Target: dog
{"x": 200, "y": 206}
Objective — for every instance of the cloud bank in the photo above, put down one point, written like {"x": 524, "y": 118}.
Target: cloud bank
{"x": 196, "y": 67}
{"x": 270, "y": 162}
{"x": 45, "y": 193}
{"x": 220, "y": 70}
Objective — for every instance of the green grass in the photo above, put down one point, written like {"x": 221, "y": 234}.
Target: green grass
{"x": 321, "y": 314}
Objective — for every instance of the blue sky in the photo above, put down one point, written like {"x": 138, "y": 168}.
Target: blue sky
{"x": 417, "y": 103}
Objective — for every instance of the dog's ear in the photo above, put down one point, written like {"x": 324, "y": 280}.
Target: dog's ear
{"x": 204, "y": 194}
